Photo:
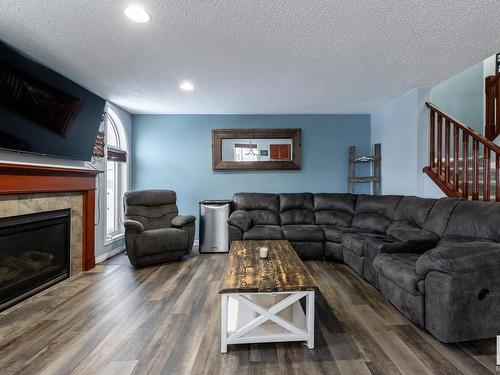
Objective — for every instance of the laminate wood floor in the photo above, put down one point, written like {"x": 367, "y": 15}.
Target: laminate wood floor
{"x": 165, "y": 320}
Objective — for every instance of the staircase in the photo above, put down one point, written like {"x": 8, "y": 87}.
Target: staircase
{"x": 462, "y": 162}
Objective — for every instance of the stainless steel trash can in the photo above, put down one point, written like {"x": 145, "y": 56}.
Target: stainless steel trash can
{"x": 214, "y": 235}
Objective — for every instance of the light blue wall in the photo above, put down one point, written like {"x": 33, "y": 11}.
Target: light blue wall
{"x": 401, "y": 126}
{"x": 394, "y": 125}
{"x": 462, "y": 96}
{"x": 174, "y": 152}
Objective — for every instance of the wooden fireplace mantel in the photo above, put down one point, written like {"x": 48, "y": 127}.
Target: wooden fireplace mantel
{"x": 33, "y": 178}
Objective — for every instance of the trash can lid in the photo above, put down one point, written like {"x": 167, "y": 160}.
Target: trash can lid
{"x": 216, "y": 201}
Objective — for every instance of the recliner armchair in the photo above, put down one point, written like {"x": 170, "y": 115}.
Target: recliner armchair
{"x": 154, "y": 232}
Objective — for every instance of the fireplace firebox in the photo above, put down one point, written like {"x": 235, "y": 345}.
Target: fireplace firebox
{"x": 34, "y": 254}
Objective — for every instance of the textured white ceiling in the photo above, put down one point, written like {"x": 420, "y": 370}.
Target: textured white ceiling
{"x": 254, "y": 56}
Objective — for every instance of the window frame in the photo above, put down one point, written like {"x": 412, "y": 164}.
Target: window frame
{"x": 121, "y": 175}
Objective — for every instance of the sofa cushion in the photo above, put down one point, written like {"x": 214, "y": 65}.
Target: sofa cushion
{"x": 150, "y": 198}
{"x": 355, "y": 242}
{"x": 334, "y": 208}
{"x": 264, "y": 232}
{"x": 155, "y": 241}
{"x": 374, "y": 213}
{"x": 439, "y": 215}
{"x": 310, "y": 233}
{"x": 152, "y": 217}
{"x": 378, "y": 245}
{"x": 296, "y": 208}
{"x": 386, "y": 244}
{"x": 475, "y": 219}
{"x": 400, "y": 269}
{"x": 413, "y": 210}
{"x": 154, "y": 209}
{"x": 241, "y": 219}
{"x": 410, "y": 233}
{"x": 371, "y": 222}
{"x": 334, "y": 233}
{"x": 262, "y": 207}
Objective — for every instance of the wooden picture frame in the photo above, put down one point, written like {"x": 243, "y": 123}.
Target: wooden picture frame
{"x": 219, "y": 134}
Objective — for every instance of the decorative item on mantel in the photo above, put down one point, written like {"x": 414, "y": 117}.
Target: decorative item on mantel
{"x": 99, "y": 145}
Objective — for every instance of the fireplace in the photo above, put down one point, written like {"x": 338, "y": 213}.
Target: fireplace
{"x": 34, "y": 253}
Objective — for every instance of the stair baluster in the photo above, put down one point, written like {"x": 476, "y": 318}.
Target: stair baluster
{"x": 465, "y": 167}
{"x": 447, "y": 151}
{"x": 486, "y": 173}
{"x": 432, "y": 141}
{"x": 456, "y": 152}
{"x": 475, "y": 170}
{"x": 497, "y": 177}
{"x": 440, "y": 144}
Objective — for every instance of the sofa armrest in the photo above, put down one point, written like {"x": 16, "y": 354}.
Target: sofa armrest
{"x": 241, "y": 219}
{"x": 180, "y": 221}
{"x": 460, "y": 258}
{"x": 133, "y": 226}
{"x": 412, "y": 234}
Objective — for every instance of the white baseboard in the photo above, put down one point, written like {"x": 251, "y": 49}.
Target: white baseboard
{"x": 109, "y": 254}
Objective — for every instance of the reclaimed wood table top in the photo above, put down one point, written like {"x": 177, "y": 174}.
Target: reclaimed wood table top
{"x": 281, "y": 271}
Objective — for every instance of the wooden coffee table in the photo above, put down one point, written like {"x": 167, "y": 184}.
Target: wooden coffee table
{"x": 261, "y": 297}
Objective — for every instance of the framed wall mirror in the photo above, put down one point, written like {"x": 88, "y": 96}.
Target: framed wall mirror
{"x": 234, "y": 149}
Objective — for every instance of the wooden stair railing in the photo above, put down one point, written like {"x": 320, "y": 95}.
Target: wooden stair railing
{"x": 492, "y": 118}
{"x": 462, "y": 162}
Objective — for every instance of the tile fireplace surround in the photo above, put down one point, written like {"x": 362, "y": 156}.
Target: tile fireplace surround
{"x": 26, "y": 189}
{"x": 13, "y": 205}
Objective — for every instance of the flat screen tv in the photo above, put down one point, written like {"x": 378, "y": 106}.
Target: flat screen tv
{"x": 38, "y": 101}
{"x": 44, "y": 112}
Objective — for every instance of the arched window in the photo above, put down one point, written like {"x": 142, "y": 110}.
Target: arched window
{"x": 116, "y": 173}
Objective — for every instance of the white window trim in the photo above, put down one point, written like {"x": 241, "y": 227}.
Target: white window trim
{"x": 110, "y": 239}
{"x": 122, "y": 177}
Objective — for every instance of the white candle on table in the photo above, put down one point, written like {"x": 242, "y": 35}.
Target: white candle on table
{"x": 263, "y": 252}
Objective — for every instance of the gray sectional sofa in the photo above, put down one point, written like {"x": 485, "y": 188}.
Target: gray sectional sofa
{"x": 436, "y": 260}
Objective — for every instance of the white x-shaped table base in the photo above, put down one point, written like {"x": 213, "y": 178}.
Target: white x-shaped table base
{"x": 245, "y": 321}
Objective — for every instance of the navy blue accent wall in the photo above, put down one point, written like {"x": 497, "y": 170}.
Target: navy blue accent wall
{"x": 81, "y": 137}
{"x": 175, "y": 152}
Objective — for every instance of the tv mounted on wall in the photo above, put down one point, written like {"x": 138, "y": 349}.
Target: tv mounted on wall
{"x": 43, "y": 112}
{"x": 38, "y": 101}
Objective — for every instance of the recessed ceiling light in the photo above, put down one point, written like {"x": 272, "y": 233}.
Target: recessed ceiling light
{"x": 137, "y": 14}
{"x": 186, "y": 86}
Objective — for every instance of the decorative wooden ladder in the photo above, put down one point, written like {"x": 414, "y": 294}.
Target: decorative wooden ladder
{"x": 462, "y": 162}
{"x": 375, "y": 178}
